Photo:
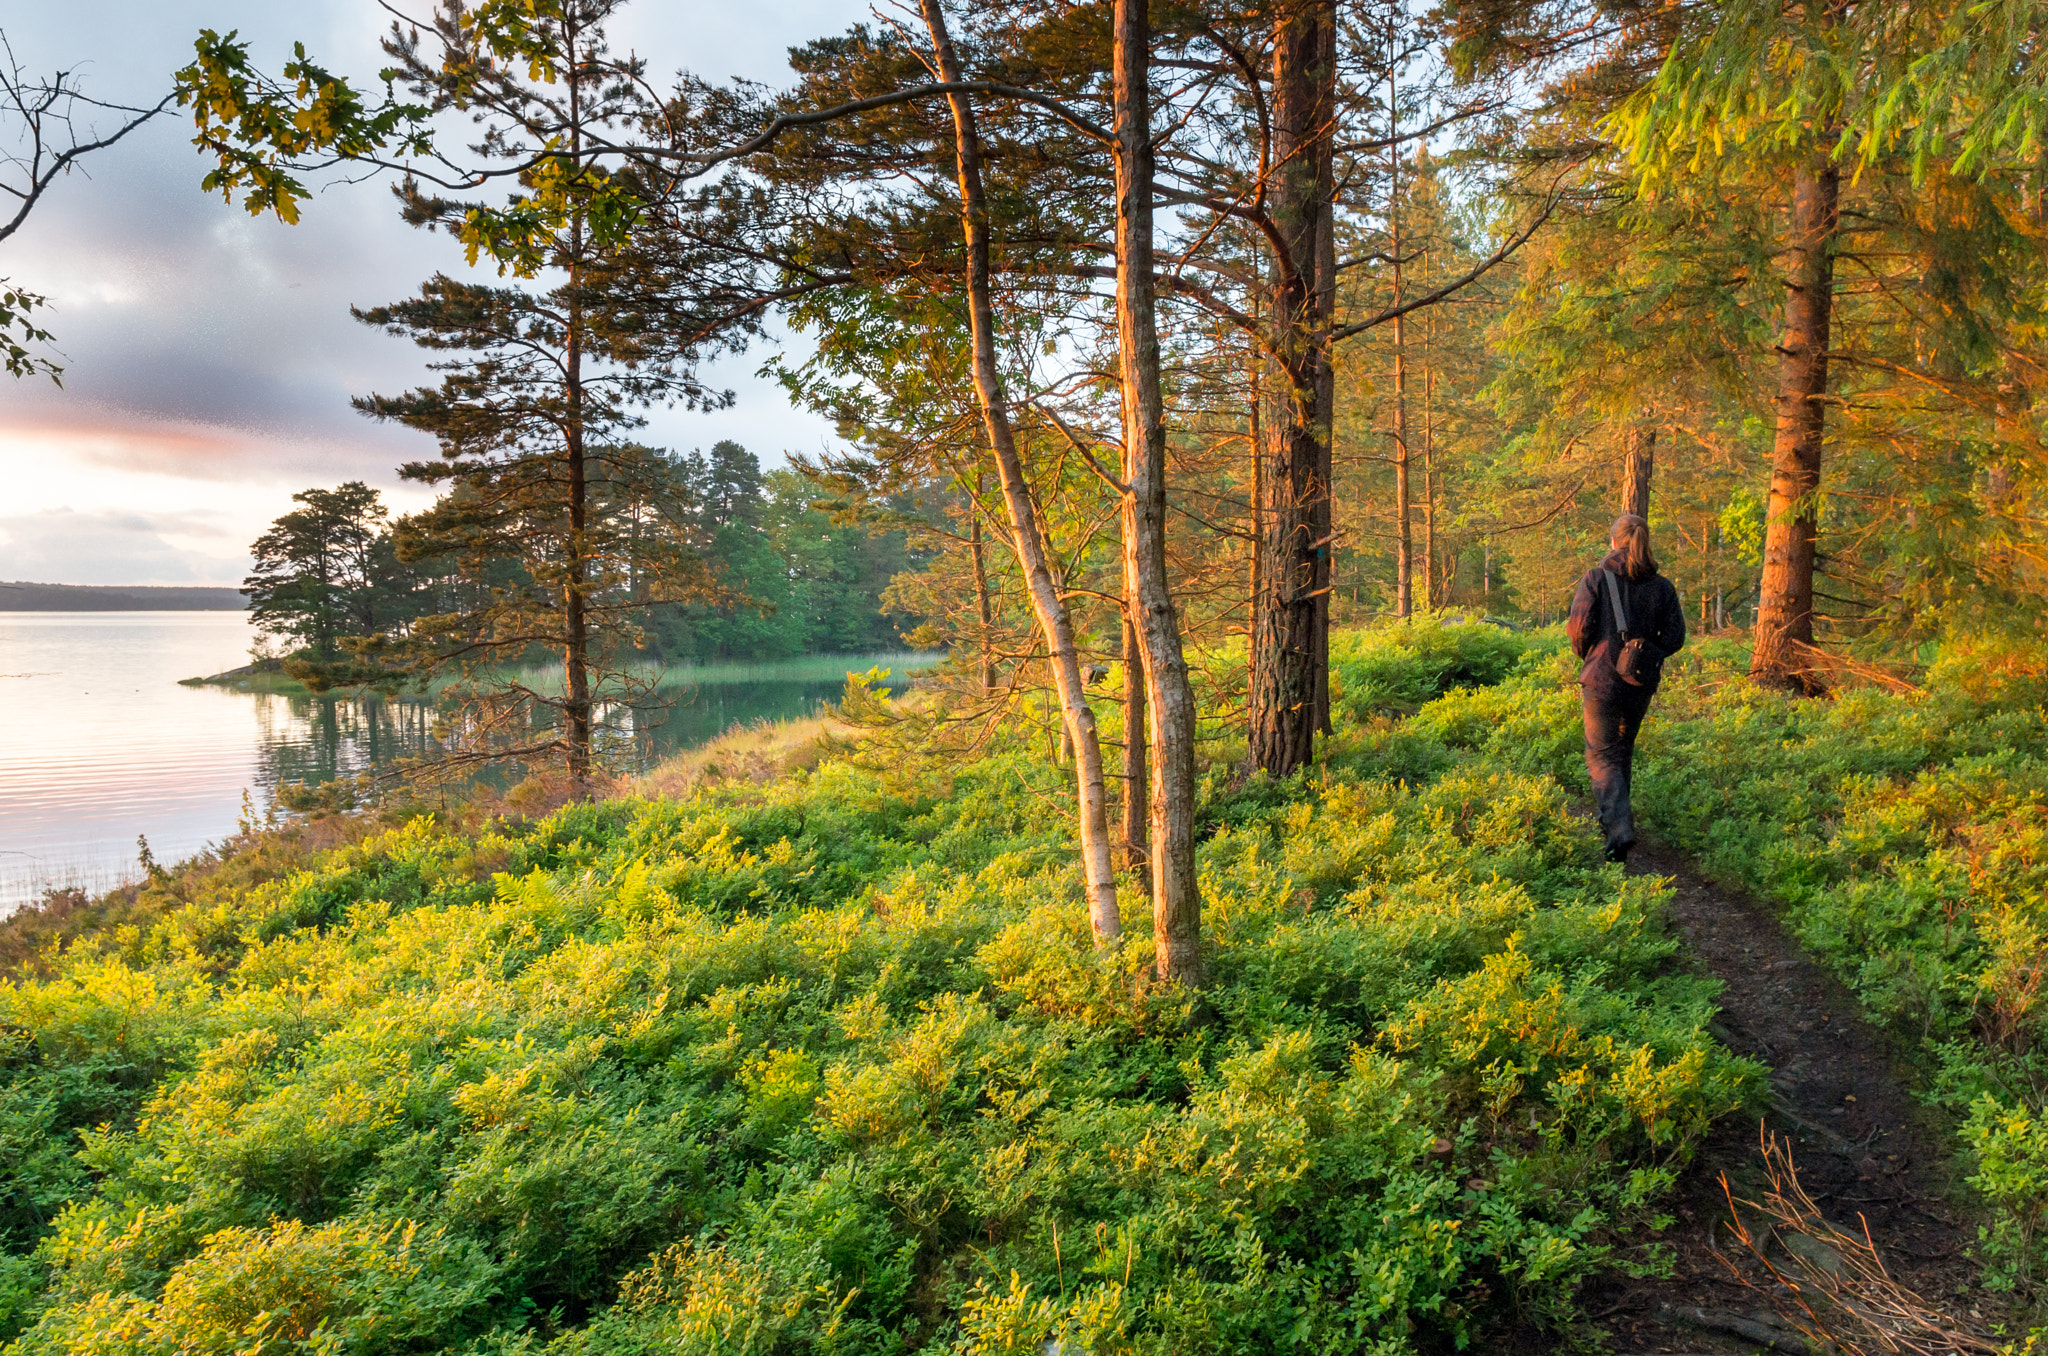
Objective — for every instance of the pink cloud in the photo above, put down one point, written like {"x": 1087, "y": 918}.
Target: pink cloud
{"x": 196, "y": 451}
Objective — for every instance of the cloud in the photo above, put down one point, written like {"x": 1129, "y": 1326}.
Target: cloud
{"x": 209, "y": 356}
{"x": 92, "y": 436}
{"x": 64, "y": 546}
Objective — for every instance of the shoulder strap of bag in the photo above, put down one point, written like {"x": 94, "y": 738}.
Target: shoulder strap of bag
{"x": 1614, "y": 602}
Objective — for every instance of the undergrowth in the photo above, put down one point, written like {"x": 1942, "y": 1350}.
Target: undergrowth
{"x": 1904, "y": 837}
{"x": 829, "y": 1063}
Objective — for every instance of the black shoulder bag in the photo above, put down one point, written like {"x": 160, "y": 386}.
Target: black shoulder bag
{"x": 1637, "y": 661}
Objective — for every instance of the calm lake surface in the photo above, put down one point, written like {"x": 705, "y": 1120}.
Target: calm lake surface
{"x": 99, "y": 743}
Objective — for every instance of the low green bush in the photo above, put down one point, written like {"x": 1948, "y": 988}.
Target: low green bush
{"x": 1903, "y": 835}
{"x": 1396, "y": 667}
{"x": 831, "y": 1064}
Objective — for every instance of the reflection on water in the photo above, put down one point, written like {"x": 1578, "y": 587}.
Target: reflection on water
{"x": 305, "y": 741}
{"x": 100, "y": 744}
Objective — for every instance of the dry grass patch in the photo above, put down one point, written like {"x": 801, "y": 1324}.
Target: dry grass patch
{"x": 760, "y": 751}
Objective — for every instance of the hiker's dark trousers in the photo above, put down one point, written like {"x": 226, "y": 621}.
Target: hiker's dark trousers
{"x": 1612, "y": 721}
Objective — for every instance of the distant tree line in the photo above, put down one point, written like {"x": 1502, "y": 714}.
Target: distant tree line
{"x": 21, "y": 595}
{"x": 348, "y": 588}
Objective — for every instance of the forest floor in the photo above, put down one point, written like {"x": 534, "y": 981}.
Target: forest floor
{"x": 1867, "y": 1155}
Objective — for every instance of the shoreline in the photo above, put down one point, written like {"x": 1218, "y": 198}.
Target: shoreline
{"x": 268, "y": 676}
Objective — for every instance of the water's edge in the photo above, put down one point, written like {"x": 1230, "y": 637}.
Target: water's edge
{"x": 103, "y": 743}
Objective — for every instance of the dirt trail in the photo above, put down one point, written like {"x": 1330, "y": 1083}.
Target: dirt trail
{"x": 1863, "y": 1147}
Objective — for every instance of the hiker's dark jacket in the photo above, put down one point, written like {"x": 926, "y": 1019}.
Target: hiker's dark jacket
{"x": 1654, "y": 613}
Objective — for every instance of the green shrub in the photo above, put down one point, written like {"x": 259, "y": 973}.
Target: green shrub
{"x": 355, "y": 1288}
{"x": 831, "y": 1063}
{"x": 1398, "y": 666}
{"x": 1905, "y": 838}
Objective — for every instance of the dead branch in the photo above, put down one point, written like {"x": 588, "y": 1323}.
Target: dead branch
{"x": 1832, "y": 1285}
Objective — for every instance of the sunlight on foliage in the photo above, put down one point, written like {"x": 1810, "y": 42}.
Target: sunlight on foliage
{"x": 828, "y": 1061}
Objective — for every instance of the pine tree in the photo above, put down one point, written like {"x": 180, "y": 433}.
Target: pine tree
{"x": 320, "y": 569}
{"x": 532, "y": 414}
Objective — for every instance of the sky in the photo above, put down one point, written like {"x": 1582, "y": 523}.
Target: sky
{"x": 209, "y": 357}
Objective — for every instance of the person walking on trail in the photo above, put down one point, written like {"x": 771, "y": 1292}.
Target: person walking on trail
{"x": 1626, "y": 620}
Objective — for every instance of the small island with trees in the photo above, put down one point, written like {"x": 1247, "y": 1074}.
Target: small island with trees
{"x": 354, "y": 599}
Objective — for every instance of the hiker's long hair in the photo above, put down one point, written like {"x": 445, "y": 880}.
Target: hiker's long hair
{"x": 1631, "y": 541}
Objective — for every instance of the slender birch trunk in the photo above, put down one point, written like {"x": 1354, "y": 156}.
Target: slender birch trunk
{"x": 1027, "y": 536}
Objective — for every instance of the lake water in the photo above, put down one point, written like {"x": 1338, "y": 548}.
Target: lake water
{"x": 100, "y": 744}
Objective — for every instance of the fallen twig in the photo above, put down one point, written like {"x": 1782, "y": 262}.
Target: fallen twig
{"x": 1841, "y": 1295}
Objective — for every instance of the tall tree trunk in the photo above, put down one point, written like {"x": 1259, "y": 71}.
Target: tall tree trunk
{"x": 1404, "y": 531}
{"x": 323, "y": 620}
{"x": 1326, "y": 378}
{"x": 1433, "y": 595}
{"x": 1137, "y": 807}
{"x": 1027, "y": 536}
{"x": 1639, "y": 462}
{"x": 1785, "y": 608}
{"x": 1255, "y": 520}
{"x": 576, "y": 620}
{"x": 1176, "y": 898}
{"x": 984, "y": 604}
{"x": 1285, "y": 686}
{"x": 576, "y": 711}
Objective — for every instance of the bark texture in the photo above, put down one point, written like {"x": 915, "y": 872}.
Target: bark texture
{"x": 1289, "y": 637}
{"x": 1325, "y": 526}
{"x": 1027, "y": 536}
{"x": 1176, "y": 898}
{"x": 1137, "y": 780}
{"x": 984, "y": 604}
{"x": 1784, "y": 622}
{"x": 1404, "y": 490}
{"x": 576, "y": 706}
{"x": 1639, "y": 463}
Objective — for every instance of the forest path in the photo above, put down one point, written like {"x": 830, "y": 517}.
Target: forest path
{"x": 1864, "y": 1149}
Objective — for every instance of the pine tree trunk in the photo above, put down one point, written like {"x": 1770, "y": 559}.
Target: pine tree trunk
{"x": 1255, "y": 521}
{"x": 984, "y": 604}
{"x": 1639, "y": 462}
{"x": 1432, "y": 594}
{"x": 1027, "y": 536}
{"x": 323, "y": 625}
{"x": 575, "y": 619}
{"x": 1784, "y": 620}
{"x": 1326, "y": 396}
{"x": 1288, "y": 639}
{"x": 1176, "y": 898}
{"x": 1404, "y": 499}
{"x": 1137, "y": 806}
